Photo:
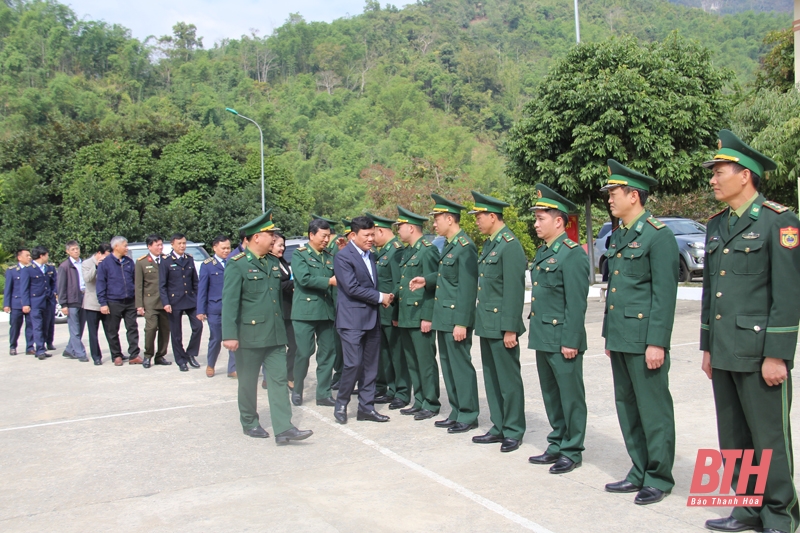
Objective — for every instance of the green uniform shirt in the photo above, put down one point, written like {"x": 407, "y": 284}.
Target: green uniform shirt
{"x": 560, "y": 286}
{"x": 643, "y": 264}
{"x": 251, "y": 301}
{"x": 389, "y": 258}
{"x": 750, "y": 287}
{"x": 419, "y": 259}
{"x": 455, "y": 284}
{"x": 313, "y": 298}
{"x": 501, "y": 286}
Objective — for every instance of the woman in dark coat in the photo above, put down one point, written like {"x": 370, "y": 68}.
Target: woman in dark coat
{"x": 287, "y": 290}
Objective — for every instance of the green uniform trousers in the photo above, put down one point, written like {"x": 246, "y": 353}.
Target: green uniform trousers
{"x": 248, "y": 364}
{"x": 646, "y": 417}
{"x": 338, "y": 361}
{"x": 310, "y": 335}
{"x": 504, "y": 390}
{"x": 460, "y": 379}
{"x": 395, "y": 368}
{"x": 751, "y": 415}
{"x": 564, "y": 396}
{"x": 420, "y": 354}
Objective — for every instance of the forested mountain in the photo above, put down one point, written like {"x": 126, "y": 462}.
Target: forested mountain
{"x": 101, "y": 133}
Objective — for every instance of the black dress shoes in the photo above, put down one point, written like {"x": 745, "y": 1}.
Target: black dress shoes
{"x": 397, "y": 403}
{"x": 41, "y": 356}
{"x": 383, "y": 398}
{"x": 297, "y": 398}
{"x": 146, "y": 363}
{"x": 371, "y": 416}
{"x": 30, "y": 352}
{"x": 622, "y": 486}
{"x": 98, "y": 362}
{"x": 68, "y": 355}
{"x": 544, "y": 459}
{"x": 488, "y": 438}
{"x": 12, "y": 351}
{"x": 340, "y": 414}
{"x": 461, "y": 427}
{"x": 326, "y": 402}
{"x": 564, "y": 465}
{"x": 183, "y": 367}
{"x": 257, "y": 432}
{"x": 509, "y": 445}
{"x": 649, "y": 495}
{"x": 162, "y": 361}
{"x": 193, "y": 362}
{"x": 51, "y": 347}
{"x": 728, "y": 524}
{"x": 446, "y": 423}
{"x": 292, "y": 434}
{"x": 410, "y": 410}
{"x": 424, "y": 414}
{"x": 83, "y": 359}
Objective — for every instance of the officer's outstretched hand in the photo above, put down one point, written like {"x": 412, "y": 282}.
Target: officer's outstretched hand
{"x": 569, "y": 353}
{"x": 706, "y": 366}
{"x": 416, "y": 283}
{"x": 774, "y": 371}
{"x": 510, "y": 339}
{"x": 231, "y": 345}
{"x": 654, "y": 356}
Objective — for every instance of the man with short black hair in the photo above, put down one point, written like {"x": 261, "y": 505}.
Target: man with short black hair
{"x": 178, "y": 290}
{"x": 71, "y": 288}
{"x": 209, "y": 302}
{"x": 148, "y": 302}
{"x": 115, "y": 294}
{"x": 39, "y": 285}
{"x": 12, "y": 304}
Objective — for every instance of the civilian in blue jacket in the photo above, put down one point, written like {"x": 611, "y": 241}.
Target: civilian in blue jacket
{"x": 12, "y": 304}
{"x": 38, "y": 291}
{"x": 115, "y": 294}
{"x": 209, "y": 301}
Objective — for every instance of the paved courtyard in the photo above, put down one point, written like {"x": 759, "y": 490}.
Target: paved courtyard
{"x": 88, "y": 448}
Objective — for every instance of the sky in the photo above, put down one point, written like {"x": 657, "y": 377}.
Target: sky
{"x": 215, "y": 19}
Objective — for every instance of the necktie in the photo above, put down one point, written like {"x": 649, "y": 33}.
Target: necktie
{"x": 224, "y": 263}
{"x": 732, "y": 219}
{"x": 158, "y": 260}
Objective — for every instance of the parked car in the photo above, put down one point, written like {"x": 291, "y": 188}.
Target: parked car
{"x": 195, "y": 249}
{"x": 292, "y": 244}
{"x": 437, "y": 240}
{"x": 691, "y": 237}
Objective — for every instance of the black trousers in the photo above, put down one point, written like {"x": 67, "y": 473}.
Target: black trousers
{"x": 361, "y": 352}
{"x": 118, "y": 311}
{"x": 93, "y": 321}
{"x": 176, "y": 332}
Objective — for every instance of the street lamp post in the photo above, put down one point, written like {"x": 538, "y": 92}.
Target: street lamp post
{"x": 577, "y": 24}
{"x": 261, "y": 133}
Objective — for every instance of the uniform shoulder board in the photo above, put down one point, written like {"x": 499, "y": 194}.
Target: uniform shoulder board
{"x": 51, "y": 264}
{"x": 207, "y": 261}
{"x": 303, "y": 249}
{"x": 507, "y": 236}
{"x": 717, "y": 214}
{"x": 239, "y": 256}
{"x": 143, "y": 257}
{"x": 775, "y": 206}
{"x": 463, "y": 241}
{"x": 656, "y": 223}
{"x": 426, "y": 243}
{"x": 569, "y": 243}
{"x": 16, "y": 267}
{"x": 397, "y": 245}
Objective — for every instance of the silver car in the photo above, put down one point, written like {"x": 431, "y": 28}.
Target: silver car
{"x": 195, "y": 249}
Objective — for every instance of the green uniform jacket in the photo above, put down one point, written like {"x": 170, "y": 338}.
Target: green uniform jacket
{"x": 251, "y": 301}
{"x": 560, "y": 286}
{"x": 146, "y": 283}
{"x": 389, "y": 258}
{"x": 643, "y": 265}
{"x": 420, "y": 259}
{"x": 501, "y": 286}
{"x": 751, "y": 288}
{"x": 313, "y": 298}
{"x": 456, "y": 284}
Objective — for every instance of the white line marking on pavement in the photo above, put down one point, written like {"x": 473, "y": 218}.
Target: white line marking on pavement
{"x": 489, "y": 504}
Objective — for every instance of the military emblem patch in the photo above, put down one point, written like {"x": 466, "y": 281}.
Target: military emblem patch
{"x": 751, "y": 235}
{"x": 552, "y": 260}
{"x": 449, "y": 256}
{"x": 789, "y": 237}
{"x": 493, "y": 253}
{"x": 634, "y": 244}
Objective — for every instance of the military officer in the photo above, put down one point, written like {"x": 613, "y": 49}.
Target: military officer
{"x": 209, "y": 302}
{"x": 415, "y": 315}
{"x": 336, "y": 244}
{"x": 560, "y": 285}
{"x": 38, "y": 290}
{"x": 148, "y": 302}
{"x": 394, "y": 382}
{"x": 498, "y": 322}
{"x": 749, "y": 325}
{"x": 313, "y": 312}
{"x": 455, "y": 288}
{"x": 253, "y": 328}
{"x": 12, "y": 304}
{"x": 178, "y": 290}
{"x": 640, "y": 309}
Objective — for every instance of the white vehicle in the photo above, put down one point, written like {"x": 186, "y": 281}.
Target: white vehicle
{"x": 195, "y": 249}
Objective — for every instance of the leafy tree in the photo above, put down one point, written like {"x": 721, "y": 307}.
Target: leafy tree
{"x": 777, "y": 66}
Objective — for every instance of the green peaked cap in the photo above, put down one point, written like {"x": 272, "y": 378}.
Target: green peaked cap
{"x": 622, "y": 176}
{"x": 381, "y": 222}
{"x": 443, "y": 205}
{"x": 346, "y": 223}
{"x": 260, "y": 223}
{"x": 547, "y": 198}
{"x": 407, "y": 217}
{"x": 733, "y": 150}
{"x": 487, "y": 204}
{"x": 328, "y": 220}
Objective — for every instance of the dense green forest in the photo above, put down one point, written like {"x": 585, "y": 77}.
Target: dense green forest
{"x": 104, "y": 134}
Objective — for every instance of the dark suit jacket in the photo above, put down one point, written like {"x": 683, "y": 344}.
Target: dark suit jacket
{"x": 177, "y": 279}
{"x": 287, "y": 288}
{"x": 209, "y": 287}
{"x": 357, "y": 303}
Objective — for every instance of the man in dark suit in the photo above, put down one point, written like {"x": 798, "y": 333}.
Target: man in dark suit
{"x": 178, "y": 288}
{"x": 357, "y": 321}
{"x": 38, "y": 289}
{"x": 209, "y": 301}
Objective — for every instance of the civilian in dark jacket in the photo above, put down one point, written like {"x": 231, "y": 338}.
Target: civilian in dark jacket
{"x": 70, "y": 289}
{"x": 115, "y": 294}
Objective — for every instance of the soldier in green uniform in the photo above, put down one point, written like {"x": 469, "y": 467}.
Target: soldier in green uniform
{"x": 252, "y": 326}
{"x": 640, "y": 309}
{"x": 313, "y": 312}
{"x": 415, "y": 313}
{"x": 455, "y": 288}
{"x": 393, "y": 380}
{"x": 498, "y": 322}
{"x": 559, "y": 287}
{"x": 336, "y": 244}
{"x": 749, "y": 327}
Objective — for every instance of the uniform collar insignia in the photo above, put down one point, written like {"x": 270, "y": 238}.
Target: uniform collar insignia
{"x": 751, "y": 235}
{"x": 639, "y": 226}
{"x": 634, "y": 244}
